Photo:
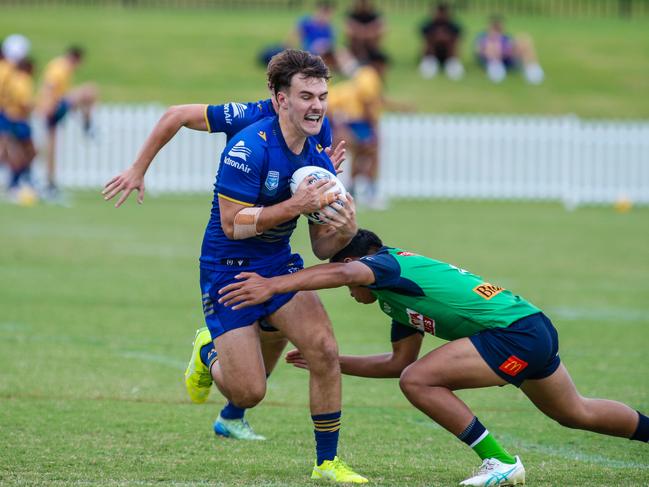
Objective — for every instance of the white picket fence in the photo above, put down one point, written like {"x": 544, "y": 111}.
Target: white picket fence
{"x": 422, "y": 156}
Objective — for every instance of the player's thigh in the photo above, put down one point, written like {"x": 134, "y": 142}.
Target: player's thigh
{"x": 240, "y": 359}
{"x": 272, "y": 346}
{"x": 304, "y": 321}
{"x": 555, "y": 395}
{"x": 455, "y": 365}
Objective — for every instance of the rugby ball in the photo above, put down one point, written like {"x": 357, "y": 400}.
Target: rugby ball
{"x": 316, "y": 173}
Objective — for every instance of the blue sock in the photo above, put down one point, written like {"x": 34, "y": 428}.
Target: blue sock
{"x": 642, "y": 431}
{"x": 230, "y": 411}
{"x": 208, "y": 355}
{"x": 326, "y": 429}
{"x": 16, "y": 176}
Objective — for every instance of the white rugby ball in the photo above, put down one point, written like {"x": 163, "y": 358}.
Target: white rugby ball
{"x": 317, "y": 173}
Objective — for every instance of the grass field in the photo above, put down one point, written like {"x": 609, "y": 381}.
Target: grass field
{"x": 98, "y": 308}
{"x": 595, "y": 67}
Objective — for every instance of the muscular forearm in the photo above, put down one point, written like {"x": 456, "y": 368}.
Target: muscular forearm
{"x": 377, "y": 366}
{"x": 322, "y": 276}
{"x": 163, "y": 132}
{"x": 329, "y": 242}
{"x": 275, "y": 215}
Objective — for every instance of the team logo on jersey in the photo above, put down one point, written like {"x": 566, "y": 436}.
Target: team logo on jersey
{"x": 487, "y": 290}
{"x": 318, "y": 148}
{"x": 386, "y": 308}
{"x": 272, "y": 180}
{"x": 233, "y": 110}
{"x": 405, "y": 253}
{"x": 513, "y": 365}
{"x": 240, "y": 150}
{"x": 262, "y": 134}
{"x": 421, "y": 322}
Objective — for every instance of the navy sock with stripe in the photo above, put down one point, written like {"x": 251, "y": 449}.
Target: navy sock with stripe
{"x": 326, "y": 430}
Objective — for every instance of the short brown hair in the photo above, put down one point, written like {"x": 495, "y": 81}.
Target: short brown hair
{"x": 283, "y": 66}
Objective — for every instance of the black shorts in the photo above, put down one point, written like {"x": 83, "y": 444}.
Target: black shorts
{"x": 526, "y": 349}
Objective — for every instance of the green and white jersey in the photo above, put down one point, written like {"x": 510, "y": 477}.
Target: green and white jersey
{"x": 439, "y": 298}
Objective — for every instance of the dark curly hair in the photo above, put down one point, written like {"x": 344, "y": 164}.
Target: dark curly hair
{"x": 286, "y": 64}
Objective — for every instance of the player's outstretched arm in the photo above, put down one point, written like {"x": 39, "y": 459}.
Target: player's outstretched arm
{"x": 132, "y": 179}
{"x": 385, "y": 365}
{"x": 253, "y": 289}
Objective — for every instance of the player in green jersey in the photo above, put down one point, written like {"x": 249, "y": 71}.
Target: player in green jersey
{"x": 496, "y": 338}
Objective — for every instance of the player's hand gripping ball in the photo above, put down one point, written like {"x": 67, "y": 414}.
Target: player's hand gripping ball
{"x": 316, "y": 173}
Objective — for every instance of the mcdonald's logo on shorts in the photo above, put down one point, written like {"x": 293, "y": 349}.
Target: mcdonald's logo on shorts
{"x": 513, "y": 365}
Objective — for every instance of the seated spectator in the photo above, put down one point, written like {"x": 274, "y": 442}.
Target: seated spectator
{"x": 441, "y": 36}
{"x": 498, "y": 53}
{"x": 364, "y": 28}
{"x": 315, "y": 32}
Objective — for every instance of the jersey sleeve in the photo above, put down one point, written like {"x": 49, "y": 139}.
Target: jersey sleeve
{"x": 399, "y": 331}
{"x": 386, "y": 269}
{"x": 233, "y": 117}
{"x": 240, "y": 170}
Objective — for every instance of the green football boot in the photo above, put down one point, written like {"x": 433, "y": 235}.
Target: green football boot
{"x": 198, "y": 378}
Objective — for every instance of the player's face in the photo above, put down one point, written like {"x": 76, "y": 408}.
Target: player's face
{"x": 306, "y": 103}
{"x": 362, "y": 294}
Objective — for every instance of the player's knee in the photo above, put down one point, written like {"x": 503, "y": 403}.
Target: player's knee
{"x": 410, "y": 381}
{"x": 322, "y": 354}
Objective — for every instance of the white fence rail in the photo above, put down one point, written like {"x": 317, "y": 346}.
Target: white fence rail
{"x": 422, "y": 156}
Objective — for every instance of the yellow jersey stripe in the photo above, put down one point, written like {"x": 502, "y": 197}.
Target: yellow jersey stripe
{"x": 325, "y": 430}
{"x": 234, "y": 201}
{"x": 207, "y": 122}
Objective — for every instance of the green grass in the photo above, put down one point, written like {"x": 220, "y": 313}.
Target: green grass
{"x": 595, "y": 67}
{"x": 98, "y": 308}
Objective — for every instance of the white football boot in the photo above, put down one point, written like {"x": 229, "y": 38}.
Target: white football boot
{"x": 493, "y": 473}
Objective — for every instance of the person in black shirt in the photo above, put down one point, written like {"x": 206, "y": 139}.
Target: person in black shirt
{"x": 441, "y": 37}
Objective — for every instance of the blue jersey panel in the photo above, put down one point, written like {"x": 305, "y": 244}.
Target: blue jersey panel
{"x": 255, "y": 170}
{"x": 231, "y": 118}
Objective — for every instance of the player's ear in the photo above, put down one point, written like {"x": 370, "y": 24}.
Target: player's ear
{"x": 347, "y": 260}
{"x": 281, "y": 98}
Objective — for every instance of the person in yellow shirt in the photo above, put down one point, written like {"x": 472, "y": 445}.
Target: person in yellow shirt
{"x": 57, "y": 97}
{"x": 18, "y": 105}
{"x": 354, "y": 108}
{"x": 6, "y": 70}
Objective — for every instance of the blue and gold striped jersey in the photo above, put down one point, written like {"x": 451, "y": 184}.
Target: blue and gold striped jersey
{"x": 255, "y": 170}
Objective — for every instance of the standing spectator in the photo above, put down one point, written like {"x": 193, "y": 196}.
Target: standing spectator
{"x": 354, "y": 108}
{"x": 499, "y": 53}
{"x": 441, "y": 36}
{"x": 57, "y": 98}
{"x": 364, "y": 28}
{"x": 18, "y": 107}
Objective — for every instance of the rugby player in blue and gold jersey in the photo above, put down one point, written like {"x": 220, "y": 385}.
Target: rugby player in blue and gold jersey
{"x": 253, "y": 216}
{"x": 229, "y": 119}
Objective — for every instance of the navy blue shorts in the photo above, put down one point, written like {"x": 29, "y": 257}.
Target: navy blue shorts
{"x": 363, "y": 131}
{"x": 4, "y": 124}
{"x": 59, "y": 112}
{"x": 20, "y": 130}
{"x": 526, "y": 349}
{"x": 221, "y": 319}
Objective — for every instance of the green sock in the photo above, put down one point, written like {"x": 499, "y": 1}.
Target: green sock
{"x": 488, "y": 447}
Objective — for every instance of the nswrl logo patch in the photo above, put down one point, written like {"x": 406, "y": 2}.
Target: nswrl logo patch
{"x": 272, "y": 180}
